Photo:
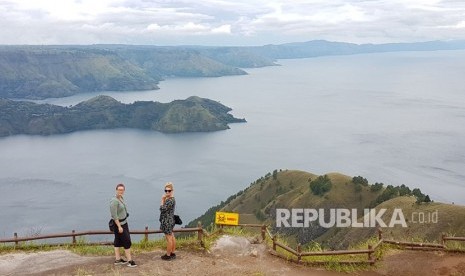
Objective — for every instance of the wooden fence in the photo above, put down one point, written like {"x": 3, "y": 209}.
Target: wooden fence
{"x": 298, "y": 253}
{"x": 370, "y": 251}
{"x": 74, "y": 234}
{"x": 425, "y": 246}
{"x": 265, "y": 233}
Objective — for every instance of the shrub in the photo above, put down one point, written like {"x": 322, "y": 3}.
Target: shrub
{"x": 275, "y": 174}
{"x": 321, "y": 185}
{"x": 376, "y": 187}
{"x": 360, "y": 180}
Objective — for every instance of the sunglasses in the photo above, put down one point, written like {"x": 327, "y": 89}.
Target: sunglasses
{"x": 167, "y": 191}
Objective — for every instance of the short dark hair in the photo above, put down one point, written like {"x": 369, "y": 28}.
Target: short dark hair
{"x": 120, "y": 185}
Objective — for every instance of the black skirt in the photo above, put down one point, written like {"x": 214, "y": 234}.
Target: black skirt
{"x": 122, "y": 239}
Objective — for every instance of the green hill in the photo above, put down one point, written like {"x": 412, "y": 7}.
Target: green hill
{"x": 37, "y": 73}
{"x": 177, "y": 62}
{"x": 103, "y": 112}
{"x": 290, "y": 189}
{"x": 420, "y": 218}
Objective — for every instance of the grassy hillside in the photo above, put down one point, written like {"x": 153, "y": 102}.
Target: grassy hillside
{"x": 37, "y": 73}
{"x": 297, "y": 189}
{"x": 179, "y": 62}
{"x": 241, "y": 57}
{"x": 420, "y": 218}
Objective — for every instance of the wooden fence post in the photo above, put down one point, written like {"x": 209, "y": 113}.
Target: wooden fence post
{"x": 146, "y": 235}
{"x": 274, "y": 242}
{"x": 221, "y": 228}
{"x": 380, "y": 234}
{"x": 443, "y": 240}
{"x": 200, "y": 234}
{"x": 16, "y": 237}
{"x": 263, "y": 232}
{"x": 370, "y": 248}
{"x": 74, "y": 237}
{"x": 299, "y": 250}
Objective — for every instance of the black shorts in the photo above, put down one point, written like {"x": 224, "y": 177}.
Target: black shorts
{"x": 122, "y": 239}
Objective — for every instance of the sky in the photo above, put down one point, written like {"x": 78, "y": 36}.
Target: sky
{"x": 228, "y": 22}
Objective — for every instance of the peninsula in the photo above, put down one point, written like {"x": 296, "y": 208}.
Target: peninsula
{"x": 193, "y": 114}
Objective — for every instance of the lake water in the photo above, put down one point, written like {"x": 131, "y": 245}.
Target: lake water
{"x": 396, "y": 118}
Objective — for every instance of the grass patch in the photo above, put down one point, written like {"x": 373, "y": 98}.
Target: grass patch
{"x": 91, "y": 250}
{"x": 26, "y": 247}
{"x": 455, "y": 245}
{"x": 379, "y": 252}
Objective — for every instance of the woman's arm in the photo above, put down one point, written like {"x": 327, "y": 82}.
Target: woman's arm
{"x": 166, "y": 204}
{"x": 120, "y": 229}
{"x": 163, "y": 199}
{"x": 114, "y": 215}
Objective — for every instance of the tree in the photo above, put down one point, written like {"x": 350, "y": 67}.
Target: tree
{"x": 275, "y": 174}
{"x": 376, "y": 187}
{"x": 388, "y": 193}
{"x": 404, "y": 190}
{"x": 427, "y": 199}
{"x": 321, "y": 185}
{"x": 360, "y": 180}
{"x": 416, "y": 192}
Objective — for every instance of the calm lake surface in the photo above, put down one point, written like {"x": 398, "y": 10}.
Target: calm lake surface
{"x": 396, "y": 118}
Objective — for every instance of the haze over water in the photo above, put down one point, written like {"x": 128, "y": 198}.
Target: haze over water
{"x": 396, "y": 118}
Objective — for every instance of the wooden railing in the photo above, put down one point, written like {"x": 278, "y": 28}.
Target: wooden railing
{"x": 425, "y": 246}
{"x": 265, "y": 233}
{"x": 299, "y": 254}
{"x": 370, "y": 251}
{"x": 75, "y": 234}
{"x": 445, "y": 239}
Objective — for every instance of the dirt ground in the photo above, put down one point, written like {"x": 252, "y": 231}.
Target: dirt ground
{"x": 422, "y": 263}
{"x": 229, "y": 256}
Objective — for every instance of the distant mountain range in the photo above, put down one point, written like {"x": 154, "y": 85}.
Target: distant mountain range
{"x": 103, "y": 112}
{"x": 38, "y": 72}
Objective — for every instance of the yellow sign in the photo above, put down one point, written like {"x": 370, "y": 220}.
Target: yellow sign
{"x": 227, "y": 218}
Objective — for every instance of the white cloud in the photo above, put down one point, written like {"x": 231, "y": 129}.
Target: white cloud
{"x": 223, "y": 29}
{"x": 189, "y": 28}
{"x": 460, "y": 25}
{"x": 239, "y": 22}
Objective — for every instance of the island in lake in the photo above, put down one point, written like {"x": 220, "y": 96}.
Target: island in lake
{"x": 193, "y": 114}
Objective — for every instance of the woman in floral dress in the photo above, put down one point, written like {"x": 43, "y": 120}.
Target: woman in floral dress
{"x": 167, "y": 207}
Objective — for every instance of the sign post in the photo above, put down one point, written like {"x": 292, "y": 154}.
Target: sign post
{"x": 224, "y": 218}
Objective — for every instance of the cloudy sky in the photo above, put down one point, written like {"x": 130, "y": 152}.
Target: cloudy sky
{"x": 228, "y": 22}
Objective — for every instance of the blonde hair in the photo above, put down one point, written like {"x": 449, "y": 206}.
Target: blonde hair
{"x": 169, "y": 185}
